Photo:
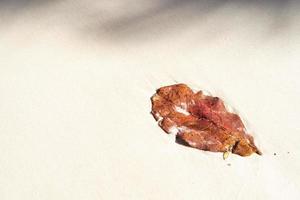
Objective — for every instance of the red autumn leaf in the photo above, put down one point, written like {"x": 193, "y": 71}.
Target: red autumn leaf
{"x": 200, "y": 121}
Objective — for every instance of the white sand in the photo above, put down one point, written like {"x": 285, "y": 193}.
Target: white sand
{"x": 75, "y": 85}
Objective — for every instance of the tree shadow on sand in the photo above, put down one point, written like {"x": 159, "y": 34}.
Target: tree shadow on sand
{"x": 157, "y": 18}
{"x": 175, "y": 16}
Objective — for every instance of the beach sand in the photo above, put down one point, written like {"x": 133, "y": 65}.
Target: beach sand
{"x": 76, "y": 79}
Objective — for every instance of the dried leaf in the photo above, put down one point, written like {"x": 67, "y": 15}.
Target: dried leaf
{"x": 201, "y": 121}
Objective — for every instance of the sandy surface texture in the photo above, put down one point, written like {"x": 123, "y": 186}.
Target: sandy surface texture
{"x": 76, "y": 79}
